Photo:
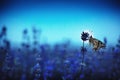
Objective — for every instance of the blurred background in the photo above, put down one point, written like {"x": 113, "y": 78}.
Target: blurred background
{"x": 61, "y": 19}
{"x": 41, "y": 39}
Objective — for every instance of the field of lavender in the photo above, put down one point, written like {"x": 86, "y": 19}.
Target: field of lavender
{"x": 61, "y": 61}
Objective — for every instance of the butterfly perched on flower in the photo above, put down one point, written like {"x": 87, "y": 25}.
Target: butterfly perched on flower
{"x": 97, "y": 44}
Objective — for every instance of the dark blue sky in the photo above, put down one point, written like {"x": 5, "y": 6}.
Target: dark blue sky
{"x": 62, "y": 19}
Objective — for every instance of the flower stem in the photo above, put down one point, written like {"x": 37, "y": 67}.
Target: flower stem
{"x": 82, "y": 57}
{"x": 83, "y": 53}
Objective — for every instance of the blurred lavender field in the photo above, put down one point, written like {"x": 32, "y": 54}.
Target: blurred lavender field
{"x": 61, "y": 61}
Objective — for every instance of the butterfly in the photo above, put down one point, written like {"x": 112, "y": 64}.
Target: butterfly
{"x": 97, "y": 44}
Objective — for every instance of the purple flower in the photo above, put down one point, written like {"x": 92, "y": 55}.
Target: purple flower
{"x": 84, "y": 36}
{"x": 4, "y": 29}
{"x": 25, "y": 31}
{"x": 105, "y": 40}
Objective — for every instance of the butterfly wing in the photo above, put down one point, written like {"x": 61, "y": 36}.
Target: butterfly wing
{"x": 95, "y": 45}
{"x": 98, "y": 44}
